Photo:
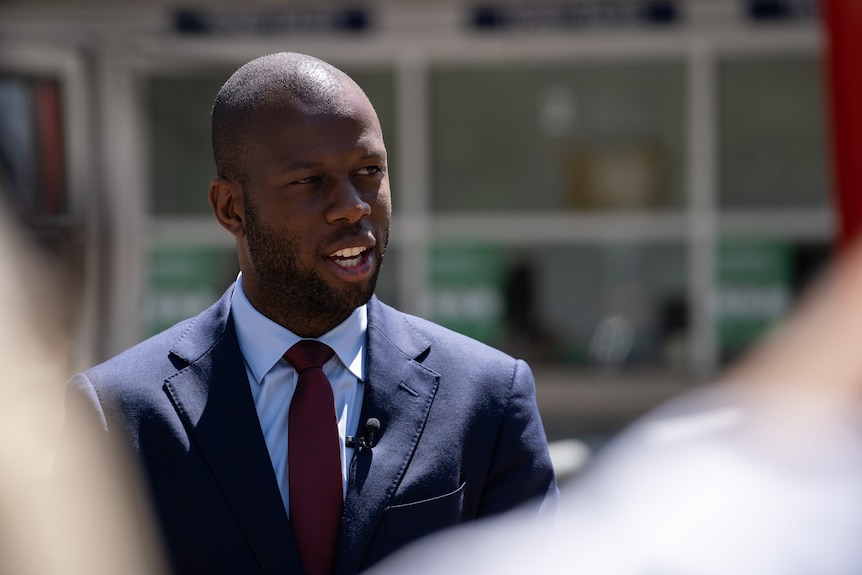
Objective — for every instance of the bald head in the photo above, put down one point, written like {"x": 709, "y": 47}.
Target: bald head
{"x": 269, "y": 83}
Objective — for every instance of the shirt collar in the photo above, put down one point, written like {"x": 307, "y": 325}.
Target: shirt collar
{"x": 263, "y": 342}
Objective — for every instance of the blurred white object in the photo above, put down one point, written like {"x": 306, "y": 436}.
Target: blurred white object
{"x": 709, "y": 484}
{"x": 87, "y": 522}
{"x": 719, "y": 484}
{"x": 569, "y": 458}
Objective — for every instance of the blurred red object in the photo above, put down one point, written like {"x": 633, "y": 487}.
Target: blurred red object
{"x": 843, "y": 27}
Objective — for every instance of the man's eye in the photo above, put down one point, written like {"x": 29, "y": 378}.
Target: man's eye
{"x": 370, "y": 170}
{"x": 308, "y": 180}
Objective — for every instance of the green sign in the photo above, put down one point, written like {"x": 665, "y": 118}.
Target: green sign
{"x": 754, "y": 290}
{"x": 466, "y": 292}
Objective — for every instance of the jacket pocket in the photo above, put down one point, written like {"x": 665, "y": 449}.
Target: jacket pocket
{"x": 411, "y": 520}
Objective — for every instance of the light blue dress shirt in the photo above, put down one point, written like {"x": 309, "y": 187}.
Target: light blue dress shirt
{"x": 273, "y": 380}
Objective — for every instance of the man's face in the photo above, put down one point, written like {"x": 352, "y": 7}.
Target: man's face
{"x": 317, "y": 210}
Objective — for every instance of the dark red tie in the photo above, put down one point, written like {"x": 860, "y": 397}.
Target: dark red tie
{"x": 314, "y": 459}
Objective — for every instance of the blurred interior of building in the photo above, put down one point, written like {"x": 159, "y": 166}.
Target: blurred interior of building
{"x": 626, "y": 193}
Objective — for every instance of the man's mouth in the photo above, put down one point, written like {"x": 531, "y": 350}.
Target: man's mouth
{"x": 348, "y": 257}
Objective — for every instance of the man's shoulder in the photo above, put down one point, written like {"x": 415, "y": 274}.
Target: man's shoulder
{"x": 148, "y": 357}
{"x": 167, "y": 351}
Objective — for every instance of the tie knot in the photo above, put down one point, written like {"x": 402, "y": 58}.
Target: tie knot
{"x": 308, "y": 353}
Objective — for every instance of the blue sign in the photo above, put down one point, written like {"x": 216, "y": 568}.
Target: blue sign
{"x": 277, "y": 21}
{"x": 777, "y": 10}
{"x": 573, "y": 14}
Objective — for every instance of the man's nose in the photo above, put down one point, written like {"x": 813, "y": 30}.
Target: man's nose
{"x": 347, "y": 202}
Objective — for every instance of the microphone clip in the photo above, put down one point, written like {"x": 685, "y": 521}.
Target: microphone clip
{"x": 369, "y": 439}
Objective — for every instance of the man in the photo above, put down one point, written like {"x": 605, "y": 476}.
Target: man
{"x": 430, "y": 428}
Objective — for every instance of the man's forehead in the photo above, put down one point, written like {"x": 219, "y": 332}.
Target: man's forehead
{"x": 346, "y": 103}
{"x": 353, "y": 125}
{"x": 341, "y": 98}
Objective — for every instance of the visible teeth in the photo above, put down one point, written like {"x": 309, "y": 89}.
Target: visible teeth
{"x": 348, "y": 253}
{"x": 348, "y": 257}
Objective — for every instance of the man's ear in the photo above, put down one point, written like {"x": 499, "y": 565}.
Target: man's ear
{"x": 227, "y": 205}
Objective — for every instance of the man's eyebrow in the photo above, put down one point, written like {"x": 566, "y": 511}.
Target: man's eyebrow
{"x": 374, "y": 154}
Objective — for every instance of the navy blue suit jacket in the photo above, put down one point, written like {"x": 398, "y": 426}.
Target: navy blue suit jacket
{"x": 460, "y": 439}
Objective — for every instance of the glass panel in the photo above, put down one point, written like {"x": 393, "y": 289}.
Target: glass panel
{"x": 180, "y": 147}
{"x": 772, "y": 148}
{"x": 576, "y": 136}
{"x": 609, "y": 306}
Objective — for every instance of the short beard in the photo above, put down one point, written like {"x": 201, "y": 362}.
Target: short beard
{"x": 291, "y": 294}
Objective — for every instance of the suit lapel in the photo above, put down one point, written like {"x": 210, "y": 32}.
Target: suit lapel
{"x": 398, "y": 391}
{"x": 212, "y": 397}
